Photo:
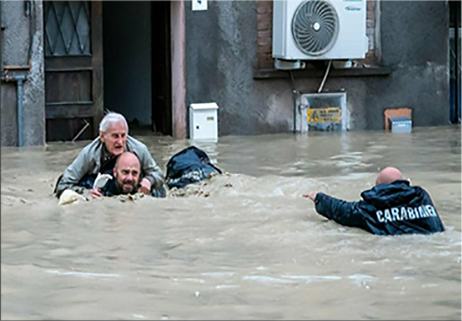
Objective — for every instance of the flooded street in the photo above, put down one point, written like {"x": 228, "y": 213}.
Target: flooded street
{"x": 243, "y": 245}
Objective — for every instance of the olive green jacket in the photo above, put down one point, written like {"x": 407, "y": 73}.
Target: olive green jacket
{"x": 89, "y": 162}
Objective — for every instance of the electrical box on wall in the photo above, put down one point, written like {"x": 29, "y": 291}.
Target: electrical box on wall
{"x": 199, "y": 5}
{"x": 203, "y": 121}
{"x": 323, "y": 112}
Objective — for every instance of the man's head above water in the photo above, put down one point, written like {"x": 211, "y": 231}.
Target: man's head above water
{"x": 113, "y": 131}
{"x": 127, "y": 172}
{"x": 388, "y": 175}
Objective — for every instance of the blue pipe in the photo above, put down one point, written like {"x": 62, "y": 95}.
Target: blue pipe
{"x": 20, "y": 80}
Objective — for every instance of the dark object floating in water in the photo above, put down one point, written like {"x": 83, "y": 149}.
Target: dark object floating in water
{"x": 191, "y": 165}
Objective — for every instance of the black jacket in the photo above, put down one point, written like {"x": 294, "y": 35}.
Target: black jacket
{"x": 386, "y": 209}
{"x": 190, "y": 165}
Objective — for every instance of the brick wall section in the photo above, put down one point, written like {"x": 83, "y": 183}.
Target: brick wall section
{"x": 265, "y": 34}
{"x": 371, "y": 55}
{"x": 265, "y": 31}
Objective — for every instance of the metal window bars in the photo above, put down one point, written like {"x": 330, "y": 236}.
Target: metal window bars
{"x": 67, "y": 28}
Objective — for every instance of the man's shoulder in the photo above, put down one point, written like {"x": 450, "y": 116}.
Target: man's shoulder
{"x": 420, "y": 189}
{"x": 90, "y": 152}
{"x": 133, "y": 141}
{"x": 93, "y": 147}
{"x": 134, "y": 145}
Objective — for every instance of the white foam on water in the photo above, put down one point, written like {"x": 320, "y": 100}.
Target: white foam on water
{"x": 85, "y": 274}
{"x": 195, "y": 280}
{"x": 266, "y": 279}
{"x": 312, "y": 278}
{"x": 227, "y": 286}
{"x": 362, "y": 278}
{"x": 218, "y": 274}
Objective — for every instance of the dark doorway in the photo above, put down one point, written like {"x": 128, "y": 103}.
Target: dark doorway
{"x": 455, "y": 61}
{"x": 137, "y": 63}
{"x": 161, "y": 68}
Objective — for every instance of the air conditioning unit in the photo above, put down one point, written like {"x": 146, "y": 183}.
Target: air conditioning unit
{"x": 319, "y": 29}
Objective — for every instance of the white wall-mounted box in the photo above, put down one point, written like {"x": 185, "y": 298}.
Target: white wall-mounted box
{"x": 199, "y": 5}
{"x": 203, "y": 121}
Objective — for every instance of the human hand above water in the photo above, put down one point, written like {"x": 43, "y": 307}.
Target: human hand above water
{"x": 96, "y": 193}
{"x": 145, "y": 186}
{"x": 311, "y": 196}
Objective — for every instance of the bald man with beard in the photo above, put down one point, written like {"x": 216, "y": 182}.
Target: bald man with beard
{"x": 126, "y": 176}
{"x": 391, "y": 207}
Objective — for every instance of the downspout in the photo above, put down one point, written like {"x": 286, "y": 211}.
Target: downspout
{"x": 294, "y": 103}
{"x": 19, "y": 79}
{"x": 294, "y": 112}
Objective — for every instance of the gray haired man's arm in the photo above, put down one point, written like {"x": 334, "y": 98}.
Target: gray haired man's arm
{"x": 74, "y": 173}
{"x": 151, "y": 171}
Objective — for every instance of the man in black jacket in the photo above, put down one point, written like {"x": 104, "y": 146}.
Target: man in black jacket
{"x": 126, "y": 176}
{"x": 392, "y": 207}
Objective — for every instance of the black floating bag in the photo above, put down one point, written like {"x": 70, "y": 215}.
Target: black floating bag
{"x": 188, "y": 166}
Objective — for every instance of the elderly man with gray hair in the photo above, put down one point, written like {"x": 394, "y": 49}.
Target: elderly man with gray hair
{"x": 100, "y": 155}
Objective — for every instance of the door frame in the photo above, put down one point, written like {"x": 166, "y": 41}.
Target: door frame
{"x": 177, "y": 49}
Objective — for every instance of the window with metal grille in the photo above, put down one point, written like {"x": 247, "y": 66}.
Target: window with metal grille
{"x": 67, "y": 28}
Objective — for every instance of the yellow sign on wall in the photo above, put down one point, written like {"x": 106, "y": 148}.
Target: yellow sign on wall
{"x": 324, "y": 115}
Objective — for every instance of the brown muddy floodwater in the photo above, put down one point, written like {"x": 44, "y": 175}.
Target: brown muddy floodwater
{"x": 239, "y": 246}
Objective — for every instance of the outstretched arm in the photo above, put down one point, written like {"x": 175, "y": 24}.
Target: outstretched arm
{"x": 340, "y": 211}
{"x": 74, "y": 173}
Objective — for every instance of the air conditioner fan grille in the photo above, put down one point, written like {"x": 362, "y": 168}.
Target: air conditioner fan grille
{"x": 315, "y": 27}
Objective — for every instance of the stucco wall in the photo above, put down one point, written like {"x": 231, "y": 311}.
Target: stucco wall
{"x": 16, "y": 39}
{"x": 221, "y": 54}
{"x": 415, "y": 44}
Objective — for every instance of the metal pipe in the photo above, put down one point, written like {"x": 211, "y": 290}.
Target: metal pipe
{"x": 294, "y": 106}
{"x": 16, "y": 67}
{"x": 294, "y": 102}
{"x": 19, "y": 79}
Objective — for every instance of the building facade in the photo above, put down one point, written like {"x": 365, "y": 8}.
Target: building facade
{"x": 70, "y": 61}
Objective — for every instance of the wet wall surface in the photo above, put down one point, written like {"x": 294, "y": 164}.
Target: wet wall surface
{"x": 221, "y": 56}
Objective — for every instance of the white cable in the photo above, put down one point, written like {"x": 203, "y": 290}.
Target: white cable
{"x": 325, "y": 76}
